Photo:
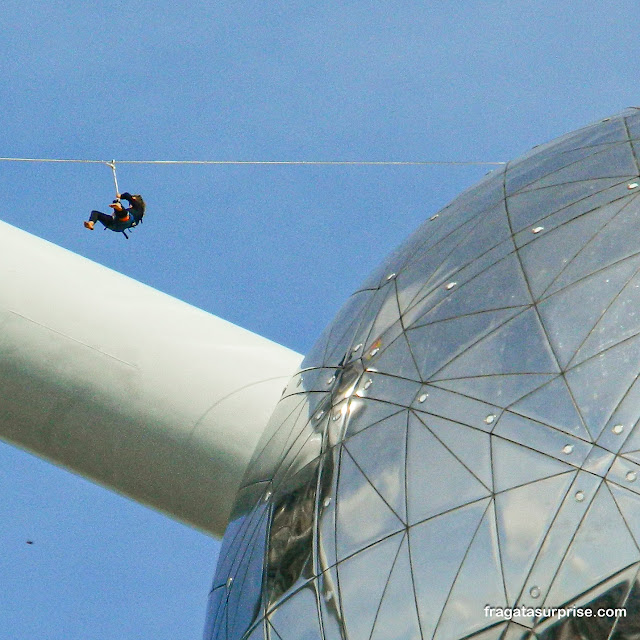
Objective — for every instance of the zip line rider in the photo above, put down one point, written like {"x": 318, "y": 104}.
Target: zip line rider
{"x": 121, "y": 219}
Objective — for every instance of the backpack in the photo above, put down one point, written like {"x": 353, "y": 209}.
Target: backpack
{"x": 139, "y": 207}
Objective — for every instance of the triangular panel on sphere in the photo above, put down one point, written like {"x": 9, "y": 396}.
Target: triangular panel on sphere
{"x": 435, "y": 345}
{"x": 362, "y": 516}
{"x": 397, "y": 360}
{"x": 500, "y": 390}
{"x": 380, "y": 452}
{"x": 570, "y": 315}
{"x": 621, "y": 321}
{"x": 436, "y": 480}
{"x": 552, "y": 404}
{"x": 599, "y": 384}
{"x": 519, "y": 346}
{"x": 479, "y": 580}
{"x": 436, "y": 565}
{"x": 607, "y": 162}
{"x": 362, "y": 579}
{"x": 501, "y": 285}
{"x": 397, "y": 618}
{"x": 616, "y": 242}
{"x": 528, "y": 207}
{"x": 471, "y": 446}
{"x": 544, "y": 259}
{"x": 515, "y": 465}
{"x": 524, "y": 516}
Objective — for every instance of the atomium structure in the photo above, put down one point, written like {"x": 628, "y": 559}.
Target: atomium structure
{"x": 465, "y": 433}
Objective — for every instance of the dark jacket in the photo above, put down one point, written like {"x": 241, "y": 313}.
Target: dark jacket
{"x": 136, "y": 206}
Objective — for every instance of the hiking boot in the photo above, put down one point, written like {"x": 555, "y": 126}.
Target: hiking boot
{"x": 89, "y": 224}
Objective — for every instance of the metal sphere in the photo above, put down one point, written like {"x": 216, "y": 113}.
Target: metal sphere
{"x": 462, "y": 443}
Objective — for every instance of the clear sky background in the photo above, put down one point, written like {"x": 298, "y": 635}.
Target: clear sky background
{"x": 276, "y": 250}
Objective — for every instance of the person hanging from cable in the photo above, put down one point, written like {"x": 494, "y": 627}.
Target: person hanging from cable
{"x": 121, "y": 219}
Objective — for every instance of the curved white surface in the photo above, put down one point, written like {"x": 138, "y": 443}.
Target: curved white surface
{"x": 128, "y": 386}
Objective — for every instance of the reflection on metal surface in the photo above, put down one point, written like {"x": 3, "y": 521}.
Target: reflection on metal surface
{"x": 291, "y": 533}
{"x": 467, "y": 431}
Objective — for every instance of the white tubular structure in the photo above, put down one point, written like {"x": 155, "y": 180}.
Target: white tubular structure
{"x": 127, "y": 386}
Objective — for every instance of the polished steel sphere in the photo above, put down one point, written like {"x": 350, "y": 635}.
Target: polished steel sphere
{"x": 459, "y": 455}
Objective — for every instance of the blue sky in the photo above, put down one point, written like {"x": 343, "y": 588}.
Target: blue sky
{"x": 274, "y": 249}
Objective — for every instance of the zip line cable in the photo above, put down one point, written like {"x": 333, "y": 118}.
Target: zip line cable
{"x": 112, "y": 163}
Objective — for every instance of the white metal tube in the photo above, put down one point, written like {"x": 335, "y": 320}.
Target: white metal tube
{"x": 130, "y": 387}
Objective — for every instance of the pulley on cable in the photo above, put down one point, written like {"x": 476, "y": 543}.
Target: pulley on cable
{"x": 122, "y": 219}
